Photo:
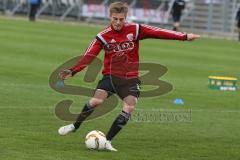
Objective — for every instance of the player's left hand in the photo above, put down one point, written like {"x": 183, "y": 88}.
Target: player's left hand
{"x": 191, "y": 36}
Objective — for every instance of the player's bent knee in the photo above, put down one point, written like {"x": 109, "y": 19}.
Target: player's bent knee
{"x": 94, "y": 102}
{"x": 128, "y": 108}
{"x": 130, "y": 100}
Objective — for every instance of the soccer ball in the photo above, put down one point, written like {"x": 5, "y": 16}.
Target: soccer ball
{"x": 95, "y": 140}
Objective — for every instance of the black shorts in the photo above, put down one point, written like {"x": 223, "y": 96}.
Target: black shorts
{"x": 122, "y": 87}
{"x": 176, "y": 18}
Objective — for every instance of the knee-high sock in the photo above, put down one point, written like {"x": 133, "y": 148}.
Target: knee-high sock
{"x": 86, "y": 111}
{"x": 117, "y": 125}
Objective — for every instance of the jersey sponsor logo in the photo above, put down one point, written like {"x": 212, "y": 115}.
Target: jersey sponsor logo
{"x": 119, "y": 47}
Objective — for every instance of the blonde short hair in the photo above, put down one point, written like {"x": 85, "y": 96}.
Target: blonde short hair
{"x": 118, "y": 7}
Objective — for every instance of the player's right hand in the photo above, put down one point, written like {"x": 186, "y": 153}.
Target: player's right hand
{"x": 65, "y": 74}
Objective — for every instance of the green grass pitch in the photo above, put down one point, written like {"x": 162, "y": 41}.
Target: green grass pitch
{"x": 28, "y": 126}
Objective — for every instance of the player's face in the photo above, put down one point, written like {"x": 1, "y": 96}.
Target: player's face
{"x": 118, "y": 20}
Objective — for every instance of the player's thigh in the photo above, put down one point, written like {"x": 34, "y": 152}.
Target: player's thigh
{"x": 98, "y": 97}
{"x": 105, "y": 84}
{"x": 103, "y": 90}
{"x": 100, "y": 94}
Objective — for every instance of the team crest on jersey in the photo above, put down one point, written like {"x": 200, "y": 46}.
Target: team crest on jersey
{"x": 113, "y": 41}
{"x": 130, "y": 37}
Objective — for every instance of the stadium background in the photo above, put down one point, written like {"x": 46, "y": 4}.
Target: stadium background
{"x": 31, "y": 51}
{"x": 209, "y": 17}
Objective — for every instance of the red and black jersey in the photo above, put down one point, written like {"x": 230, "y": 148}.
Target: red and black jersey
{"x": 122, "y": 48}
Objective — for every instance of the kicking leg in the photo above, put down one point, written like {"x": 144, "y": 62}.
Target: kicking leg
{"x": 128, "y": 106}
{"x": 96, "y": 100}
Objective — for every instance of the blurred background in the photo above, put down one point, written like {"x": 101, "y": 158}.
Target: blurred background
{"x": 215, "y": 18}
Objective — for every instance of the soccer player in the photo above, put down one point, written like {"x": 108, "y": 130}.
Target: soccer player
{"x": 238, "y": 23}
{"x": 34, "y": 6}
{"x": 120, "y": 41}
{"x": 178, "y": 7}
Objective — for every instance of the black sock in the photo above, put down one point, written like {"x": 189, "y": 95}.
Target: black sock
{"x": 86, "y": 111}
{"x": 117, "y": 125}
